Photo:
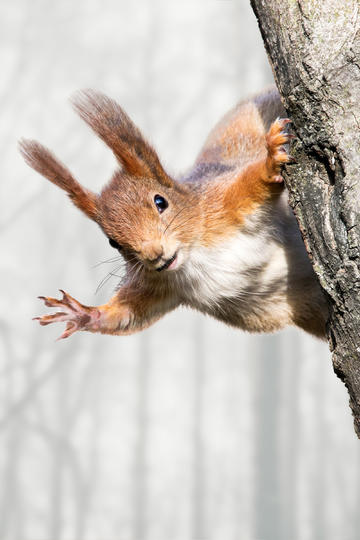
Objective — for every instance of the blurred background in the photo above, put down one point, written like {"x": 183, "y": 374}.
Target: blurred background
{"x": 190, "y": 430}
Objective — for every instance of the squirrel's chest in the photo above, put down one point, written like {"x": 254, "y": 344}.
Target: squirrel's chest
{"x": 239, "y": 276}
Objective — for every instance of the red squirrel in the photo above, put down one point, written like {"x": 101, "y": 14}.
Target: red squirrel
{"x": 221, "y": 239}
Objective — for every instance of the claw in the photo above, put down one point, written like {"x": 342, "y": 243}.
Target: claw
{"x": 70, "y": 301}
{"x": 70, "y": 329}
{"x": 60, "y": 316}
{"x": 50, "y": 302}
{"x": 277, "y": 156}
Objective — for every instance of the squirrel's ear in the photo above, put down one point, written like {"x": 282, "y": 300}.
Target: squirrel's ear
{"x": 45, "y": 163}
{"x": 116, "y": 129}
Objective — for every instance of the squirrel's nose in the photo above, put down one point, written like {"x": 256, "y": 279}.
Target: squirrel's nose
{"x": 153, "y": 253}
{"x": 157, "y": 256}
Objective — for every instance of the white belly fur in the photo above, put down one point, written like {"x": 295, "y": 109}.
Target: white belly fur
{"x": 260, "y": 279}
{"x": 251, "y": 279}
{"x": 232, "y": 268}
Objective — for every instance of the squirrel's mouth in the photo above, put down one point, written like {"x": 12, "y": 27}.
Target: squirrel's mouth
{"x": 168, "y": 263}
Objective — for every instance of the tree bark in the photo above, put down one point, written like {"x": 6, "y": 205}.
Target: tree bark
{"x": 314, "y": 49}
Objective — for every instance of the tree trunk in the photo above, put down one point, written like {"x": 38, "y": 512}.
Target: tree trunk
{"x": 314, "y": 49}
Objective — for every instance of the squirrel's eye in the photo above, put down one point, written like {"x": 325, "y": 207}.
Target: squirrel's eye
{"x": 160, "y": 203}
{"x": 114, "y": 244}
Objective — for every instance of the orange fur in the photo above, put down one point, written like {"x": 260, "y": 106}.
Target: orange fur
{"x": 116, "y": 129}
{"x": 235, "y": 140}
{"x": 251, "y": 187}
{"x": 45, "y": 163}
{"x": 211, "y": 247}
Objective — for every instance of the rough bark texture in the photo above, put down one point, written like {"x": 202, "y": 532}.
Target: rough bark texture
{"x": 314, "y": 48}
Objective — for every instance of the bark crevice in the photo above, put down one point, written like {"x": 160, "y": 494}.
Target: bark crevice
{"x": 314, "y": 49}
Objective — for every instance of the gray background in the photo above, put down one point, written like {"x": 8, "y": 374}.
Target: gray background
{"x": 189, "y": 430}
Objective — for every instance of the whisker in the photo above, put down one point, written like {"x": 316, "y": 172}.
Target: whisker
{"x": 137, "y": 269}
{"x": 113, "y": 259}
{"x": 181, "y": 223}
{"x": 134, "y": 258}
{"x": 106, "y": 278}
{"x": 176, "y": 215}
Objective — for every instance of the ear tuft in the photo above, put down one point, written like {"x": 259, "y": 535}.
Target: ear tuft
{"x": 115, "y": 128}
{"x": 44, "y": 162}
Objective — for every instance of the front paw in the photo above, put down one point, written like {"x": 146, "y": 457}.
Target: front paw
{"x": 276, "y": 137}
{"x": 76, "y": 315}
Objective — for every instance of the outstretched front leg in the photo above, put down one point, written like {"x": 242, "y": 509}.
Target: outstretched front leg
{"x": 127, "y": 312}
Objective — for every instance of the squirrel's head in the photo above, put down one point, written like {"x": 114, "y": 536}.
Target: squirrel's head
{"x": 145, "y": 214}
